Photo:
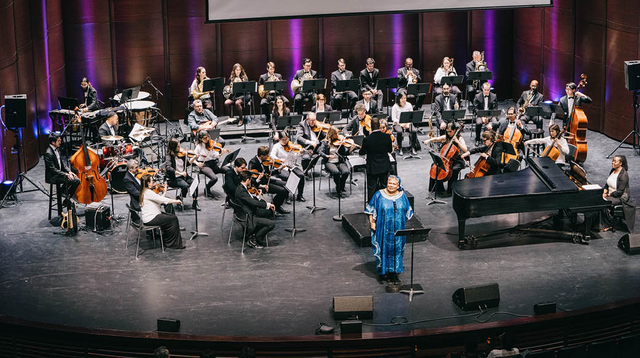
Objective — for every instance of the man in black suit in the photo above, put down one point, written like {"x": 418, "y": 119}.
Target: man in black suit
{"x": 535, "y": 99}
{"x": 376, "y": 147}
{"x": 90, "y": 95}
{"x": 110, "y": 126}
{"x": 231, "y": 179}
{"x": 267, "y": 102}
{"x": 309, "y": 139}
{"x": 355, "y": 127}
{"x": 486, "y": 100}
{"x": 56, "y": 171}
{"x": 369, "y": 79}
{"x": 370, "y": 105}
{"x": 569, "y": 101}
{"x": 259, "y": 225}
{"x": 274, "y": 185}
{"x": 305, "y": 73}
{"x": 408, "y": 75}
{"x": 338, "y": 75}
{"x": 445, "y": 101}
{"x": 471, "y": 67}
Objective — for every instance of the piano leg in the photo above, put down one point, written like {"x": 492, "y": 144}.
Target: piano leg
{"x": 462, "y": 240}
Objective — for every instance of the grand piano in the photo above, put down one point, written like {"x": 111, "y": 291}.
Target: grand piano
{"x": 542, "y": 186}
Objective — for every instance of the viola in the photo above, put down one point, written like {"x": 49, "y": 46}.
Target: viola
{"x": 188, "y": 153}
{"x": 93, "y": 187}
{"x": 345, "y": 142}
{"x": 255, "y": 174}
{"x": 448, "y": 153}
{"x": 270, "y": 162}
{"x": 159, "y": 188}
{"x": 213, "y": 145}
{"x": 578, "y": 124}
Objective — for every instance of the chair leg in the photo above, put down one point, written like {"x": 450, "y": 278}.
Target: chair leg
{"x": 244, "y": 236}
{"x": 224, "y": 211}
{"x": 161, "y": 241}
{"x": 266, "y": 239}
{"x": 127, "y": 228}
{"x": 230, "y": 232}
{"x": 50, "y": 199}
{"x": 138, "y": 246}
{"x": 153, "y": 234}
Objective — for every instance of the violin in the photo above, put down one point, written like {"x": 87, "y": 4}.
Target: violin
{"x": 147, "y": 170}
{"x": 365, "y": 124}
{"x": 324, "y": 127}
{"x": 255, "y": 174}
{"x": 158, "y": 188}
{"x": 213, "y": 145}
{"x": 290, "y": 146}
{"x": 345, "y": 142}
{"x": 186, "y": 153}
{"x": 270, "y": 162}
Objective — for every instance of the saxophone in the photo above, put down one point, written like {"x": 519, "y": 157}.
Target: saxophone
{"x": 526, "y": 103}
{"x": 261, "y": 91}
{"x": 296, "y": 85}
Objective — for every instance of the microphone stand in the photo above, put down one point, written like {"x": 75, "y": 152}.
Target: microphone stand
{"x": 148, "y": 80}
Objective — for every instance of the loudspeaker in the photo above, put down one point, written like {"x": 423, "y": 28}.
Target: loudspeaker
{"x": 16, "y": 110}
{"x": 630, "y": 243}
{"x": 351, "y": 327}
{"x": 470, "y": 298}
{"x": 349, "y": 307}
{"x": 98, "y": 217}
{"x": 632, "y": 75}
{"x": 167, "y": 324}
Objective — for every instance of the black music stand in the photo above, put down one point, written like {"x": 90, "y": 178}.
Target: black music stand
{"x": 412, "y": 289}
{"x": 213, "y": 84}
{"x": 292, "y": 188}
{"x": 413, "y": 117}
{"x": 437, "y": 161}
{"x": 278, "y": 86}
{"x": 451, "y": 80}
{"x": 634, "y": 132}
{"x": 244, "y": 89}
{"x": 214, "y": 133}
{"x": 417, "y": 89}
{"x": 386, "y": 84}
{"x": 489, "y": 113}
{"x": 453, "y": 114}
{"x": 129, "y": 94}
{"x": 348, "y": 85}
{"x": 481, "y": 76}
{"x": 68, "y": 103}
{"x": 328, "y": 117}
{"x": 309, "y": 168}
{"x": 316, "y": 85}
{"x": 230, "y": 158}
{"x": 534, "y": 111}
{"x": 193, "y": 188}
{"x": 285, "y": 123}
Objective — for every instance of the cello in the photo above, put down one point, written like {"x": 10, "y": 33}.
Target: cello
{"x": 513, "y": 137}
{"x": 578, "y": 124}
{"x": 84, "y": 162}
{"x": 482, "y": 166}
{"x": 448, "y": 153}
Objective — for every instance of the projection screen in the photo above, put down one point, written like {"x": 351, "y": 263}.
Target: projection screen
{"x": 226, "y": 10}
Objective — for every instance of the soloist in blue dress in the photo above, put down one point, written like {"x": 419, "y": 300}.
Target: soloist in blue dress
{"x": 387, "y": 248}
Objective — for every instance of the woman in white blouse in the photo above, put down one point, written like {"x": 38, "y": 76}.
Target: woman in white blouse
{"x": 207, "y": 158}
{"x": 400, "y": 106}
{"x": 445, "y": 69}
{"x": 151, "y": 215}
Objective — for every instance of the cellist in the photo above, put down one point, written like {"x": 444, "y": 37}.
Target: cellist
{"x": 554, "y": 140}
{"x": 489, "y": 153}
{"x": 512, "y": 130}
{"x": 452, "y": 135}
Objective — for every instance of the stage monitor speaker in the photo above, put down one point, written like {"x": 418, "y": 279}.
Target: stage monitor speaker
{"x": 167, "y": 324}
{"x": 352, "y": 307}
{"x": 470, "y": 298}
{"x": 351, "y": 327}
{"x": 544, "y": 308}
{"x": 632, "y": 75}
{"x": 630, "y": 243}
{"x": 16, "y": 110}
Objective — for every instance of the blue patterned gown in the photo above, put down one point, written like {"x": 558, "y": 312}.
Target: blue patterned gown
{"x": 387, "y": 248}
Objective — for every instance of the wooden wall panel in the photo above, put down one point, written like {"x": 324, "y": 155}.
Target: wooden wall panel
{"x": 558, "y": 48}
{"x": 395, "y": 38}
{"x": 8, "y": 82}
{"x": 345, "y": 37}
{"x": 527, "y": 49}
{"x": 443, "y": 34}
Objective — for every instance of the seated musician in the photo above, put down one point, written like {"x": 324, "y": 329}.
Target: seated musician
{"x": 486, "y": 100}
{"x": 238, "y": 101}
{"x": 360, "y": 124}
{"x": 260, "y": 208}
{"x": 446, "y": 69}
{"x": 370, "y": 105}
{"x": 554, "y": 140}
{"x": 196, "y": 88}
{"x": 153, "y": 216}
{"x": 408, "y": 75}
{"x": 321, "y": 104}
{"x": 110, "y": 126}
{"x": 309, "y": 137}
{"x": 56, "y": 171}
{"x": 175, "y": 165}
{"x": 266, "y": 182}
{"x": 475, "y": 64}
{"x": 618, "y": 192}
{"x": 512, "y": 122}
{"x": 369, "y": 80}
{"x": 334, "y": 153}
{"x": 445, "y": 101}
{"x": 283, "y": 150}
{"x": 489, "y": 151}
{"x": 534, "y": 98}
{"x": 207, "y": 159}
{"x": 270, "y": 98}
{"x": 400, "y": 106}
{"x": 569, "y": 101}
{"x": 342, "y": 74}
{"x": 90, "y": 96}
{"x": 280, "y": 109}
{"x": 201, "y": 118}
{"x": 306, "y": 73}
{"x": 452, "y": 135}
{"x": 231, "y": 178}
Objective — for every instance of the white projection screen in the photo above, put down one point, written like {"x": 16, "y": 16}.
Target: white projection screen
{"x": 226, "y": 10}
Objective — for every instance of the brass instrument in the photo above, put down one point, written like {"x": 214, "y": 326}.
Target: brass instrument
{"x": 411, "y": 76}
{"x": 526, "y": 103}
{"x": 261, "y": 91}
{"x": 480, "y": 66}
{"x": 226, "y": 91}
{"x": 296, "y": 85}
{"x": 452, "y": 70}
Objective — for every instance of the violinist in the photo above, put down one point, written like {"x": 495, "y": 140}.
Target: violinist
{"x": 151, "y": 214}
{"x": 175, "y": 165}
{"x": 489, "y": 152}
{"x": 261, "y": 210}
{"x": 285, "y": 152}
{"x": 201, "y": 118}
{"x": 400, "y": 106}
{"x": 385, "y": 129}
{"x": 452, "y": 135}
{"x": 308, "y": 138}
{"x": 569, "y": 101}
{"x": 445, "y": 101}
{"x": 370, "y": 105}
{"x": 266, "y": 182}
{"x": 554, "y": 140}
{"x": 513, "y": 123}
{"x": 207, "y": 158}
{"x": 360, "y": 124}
{"x": 321, "y": 104}
{"x": 231, "y": 178}
{"x": 334, "y": 151}
{"x": 280, "y": 109}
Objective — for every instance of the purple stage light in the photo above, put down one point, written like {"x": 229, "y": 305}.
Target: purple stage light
{"x": 295, "y": 35}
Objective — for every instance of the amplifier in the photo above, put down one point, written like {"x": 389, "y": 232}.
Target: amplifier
{"x": 98, "y": 217}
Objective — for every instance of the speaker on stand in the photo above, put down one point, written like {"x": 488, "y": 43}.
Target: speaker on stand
{"x": 632, "y": 83}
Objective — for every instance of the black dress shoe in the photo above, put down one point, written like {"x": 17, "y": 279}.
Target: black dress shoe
{"x": 277, "y": 214}
{"x": 280, "y": 210}
{"x": 301, "y": 198}
{"x": 181, "y": 247}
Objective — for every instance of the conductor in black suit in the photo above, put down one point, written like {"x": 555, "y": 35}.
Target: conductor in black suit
{"x": 369, "y": 79}
{"x": 485, "y": 100}
{"x": 110, "y": 126}
{"x": 376, "y": 147}
{"x": 56, "y": 171}
{"x": 305, "y": 73}
{"x": 370, "y": 105}
{"x": 339, "y": 75}
{"x": 569, "y": 101}
{"x": 406, "y": 76}
{"x": 258, "y": 224}
{"x": 267, "y": 102}
{"x": 535, "y": 99}
{"x": 445, "y": 101}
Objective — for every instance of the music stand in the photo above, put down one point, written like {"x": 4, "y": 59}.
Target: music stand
{"x": 309, "y": 168}
{"x": 328, "y": 117}
{"x": 453, "y": 114}
{"x": 489, "y": 113}
{"x": 315, "y": 85}
{"x": 417, "y": 89}
{"x": 412, "y": 289}
{"x": 285, "y": 123}
{"x": 230, "y": 158}
{"x": 481, "y": 76}
{"x": 451, "y": 80}
{"x": 213, "y": 84}
{"x": 387, "y": 84}
{"x": 534, "y": 111}
{"x": 348, "y": 85}
{"x": 244, "y": 89}
{"x": 68, "y": 103}
{"x": 380, "y": 116}
{"x": 292, "y": 187}
{"x": 129, "y": 94}
{"x": 437, "y": 161}
{"x": 413, "y": 117}
{"x": 192, "y": 189}
{"x": 214, "y": 133}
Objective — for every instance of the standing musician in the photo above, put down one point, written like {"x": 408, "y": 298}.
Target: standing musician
{"x": 446, "y": 69}
{"x": 201, "y": 118}
{"x": 237, "y": 75}
{"x": 334, "y": 151}
{"x": 90, "y": 96}
{"x": 486, "y": 100}
{"x": 489, "y": 151}
{"x": 306, "y": 73}
{"x": 266, "y": 181}
{"x": 309, "y": 137}
{"x": 408, "y": 75}
{"x": 231, "y": 177}
{"x": 376, "y": 147}
{"x": 476, "y": 64}
{"x": 360, "y": 124}
{"x": 175, "y": 165}
{"x": 284, "y": 151}
{"x": 569, "y": 101}
{"x": 452, "y": 136}
{"x": 321, "y": 104}
{"x": 260, "y": 208}
{"x": 554, "y": 140}
{"x": 207, "y": 159}
{"x": 196, "y": 88}
{"x": 445, "y": 101}
{"x": 270, "y": 98}
{"x": 110, "y": 126}
{"x": 369, "y": 79}
{"x": 532, "y": 97}
{"x": 400, "y": 106}
{"x": 370, "y": 105}
{"x": 151, "y": 214}
{"x": 342, "y": 74}
{"x": 56, "y": 171}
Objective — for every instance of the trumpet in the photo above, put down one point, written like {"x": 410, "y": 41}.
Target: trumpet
{"x": 411, "y": 76}
{"x": 296, "y": 85}
{"x": 261, "y": 91}
{"x": 480, "y": 66}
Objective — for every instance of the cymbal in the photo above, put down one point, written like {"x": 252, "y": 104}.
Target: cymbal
{"x": 111, "y": 138}
{"x": 145, "y": 130}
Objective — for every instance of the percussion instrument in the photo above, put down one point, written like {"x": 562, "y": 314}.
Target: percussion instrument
{"x": 142, "y": 112}
{"x": 116, "y": 178}
{"x": 141, "y": 96}
{"x": 111, "y": 138}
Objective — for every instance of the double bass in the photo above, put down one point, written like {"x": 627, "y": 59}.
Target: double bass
{"x": 578, "y": 124}
{"x": 84, "y": 162}
{"x": 448, "y": 153}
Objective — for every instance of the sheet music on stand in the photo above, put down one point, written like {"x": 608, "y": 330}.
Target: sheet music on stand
{"x": 194, "y": 185}
{"x": 140, "y": 132}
